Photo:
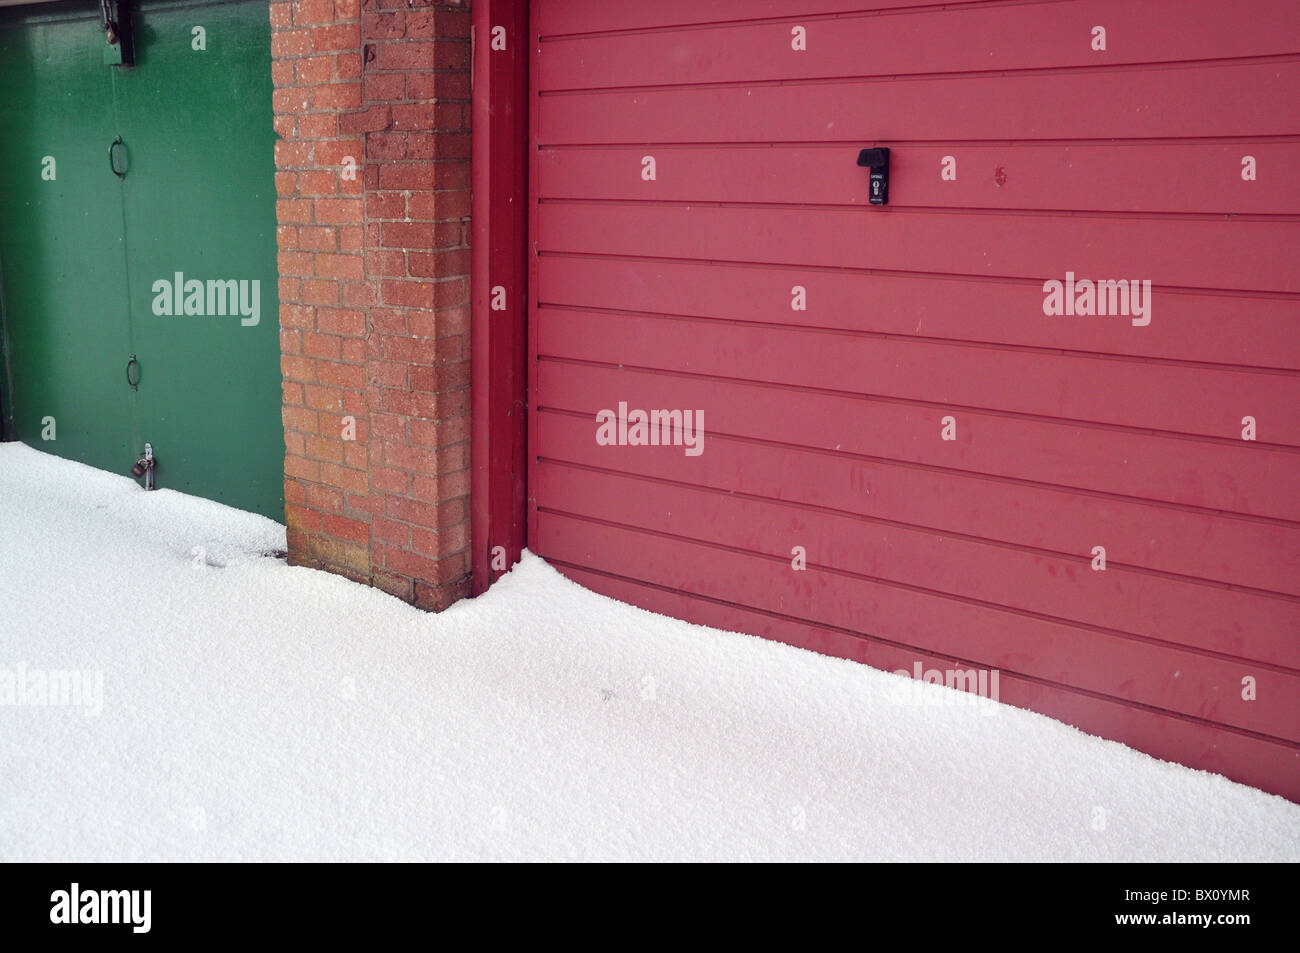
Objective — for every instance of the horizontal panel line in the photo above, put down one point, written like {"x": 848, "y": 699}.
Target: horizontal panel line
{"x": 954, "y": 5}
{"x": 1009, "y": 347}
{"x": 934, "y": 593}
{"x": 1032, "y": 679}
{"x": 936, "y": 405}
{"x": 866, "y": 209}
{"x": 1106, "y": 69}
{"x": 1118, "y": 142}
{"x": 1276, "y": 521}
{"x": 897, "y": 272}
{"x": 947, "y": 532}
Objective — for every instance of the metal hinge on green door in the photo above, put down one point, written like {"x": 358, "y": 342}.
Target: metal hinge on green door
{"x": 118, "y": 49}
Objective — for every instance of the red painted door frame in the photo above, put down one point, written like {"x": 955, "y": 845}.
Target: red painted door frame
{"x": 499, "y": 288}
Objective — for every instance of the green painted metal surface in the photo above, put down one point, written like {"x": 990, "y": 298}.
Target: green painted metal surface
{"x": 90, "y": 261}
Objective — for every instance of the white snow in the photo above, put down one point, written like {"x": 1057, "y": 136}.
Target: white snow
{"x": 252, "y": 710}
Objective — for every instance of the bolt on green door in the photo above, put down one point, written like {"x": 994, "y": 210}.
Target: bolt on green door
{"x": 182, "y": 241}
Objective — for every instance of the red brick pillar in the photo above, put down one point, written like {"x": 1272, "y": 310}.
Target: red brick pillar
{"x": 372, "y": 104}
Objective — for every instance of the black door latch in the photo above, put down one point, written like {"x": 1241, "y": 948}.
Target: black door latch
{"x": 877, "y": 160}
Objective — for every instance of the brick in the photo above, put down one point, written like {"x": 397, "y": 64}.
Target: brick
{"x": 441, "y": 86}
{"x": 359, "y": 294}
{"x": 342, "y": 375}
{"x": 331, "y": 96}
{"x": 443, "y": 542}
{"x": 412, "y": 564}
{"x": 298, "y": 368}
{"x": 396, "y": 585}
{"x": 351, "y": 238}
{"x": 364, "y": 508}
{"x": 373, "y": 119}
{"x": 281, "y": 16}
{"x": 383, "y": 87}
{"x": 340, "y": 321}
{"x": 383, "y": 26}
{"x": 389, "y": 480}
{"x": 295, "y": 491}
{"x": 293, "y": 211}
{"x": 339, "y": 210}
{"x": 409, "y": 55}
{"x": 318, "y": 238}
{"x": 392, "y": 531}
{"x": 294, "y": 263}
{"x": 320, "y": 291}
{"x": 320, "y": 345}
{"x": 291, "y": 154}
{"x": 413, "y": 511}
{"x": 356, "y": 456}
{"x": 353, "y": 350}
{"x": 311, "y": 70}
{"x": 302, "y": 517}
{"x": 406, "y": 176}
{"x": 348, "y": 65}
{"x": 341, "y": 527}
{"x": 437, "y": 433}
{"x": 439, "y": 206}
{"x": 308, "y": 12}
{"x": 291, "y": 99}
{"x": 440, "y": 489}
{"x": 282, "y": 73}
{"x": 290, "y": 43}
{"x": 341, "y": 36}
{"x": 382, "y": 205}
{"x": 442, "y": 264}
{"x": 433, "y": 598}
{"x": 354, "y": 481}
{"x": 387, "y": 373}
{"x": 324, "y": 449}
{"x": 297, "y": 316}
{"x": 411, "y": 294}
{"x": 333, "y": 154}
{"x": 437, "y": 378}
{"x": 301, "y": 467}
{"x": 318, "y": 126}
{"x": 324, "y": 497}
{"x": 351, "y": 267}
{"x": 415, "y": 116}
{"x": 388, "y": 426}
{"x": 443, "y": 146}
{"x": 409, "y": 234}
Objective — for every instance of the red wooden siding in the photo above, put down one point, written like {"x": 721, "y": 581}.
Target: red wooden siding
{"x": 822, "y": 426}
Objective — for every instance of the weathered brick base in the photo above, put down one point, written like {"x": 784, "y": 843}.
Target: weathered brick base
{"x": 374, "y": 289}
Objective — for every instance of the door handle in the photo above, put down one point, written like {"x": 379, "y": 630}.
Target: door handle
{"x": 112, "y": 157}
{"x": 134, "y": 381}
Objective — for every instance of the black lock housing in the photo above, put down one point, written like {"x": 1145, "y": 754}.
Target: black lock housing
{"x": 877, "y": 160}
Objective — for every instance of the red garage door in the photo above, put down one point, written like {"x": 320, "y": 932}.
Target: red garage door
{"x": 1090, "y": 486}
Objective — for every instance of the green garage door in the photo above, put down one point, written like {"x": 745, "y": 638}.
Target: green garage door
{"x": 137, "y": 240}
